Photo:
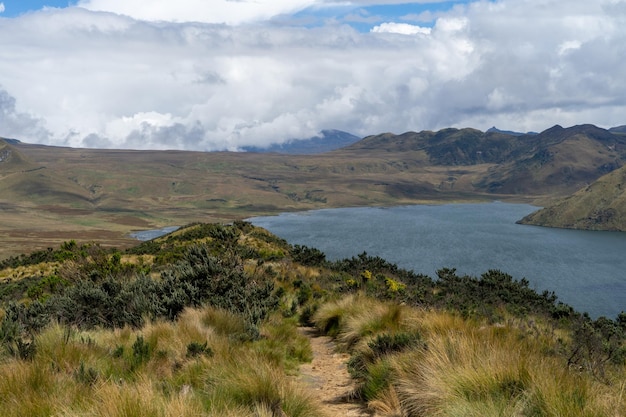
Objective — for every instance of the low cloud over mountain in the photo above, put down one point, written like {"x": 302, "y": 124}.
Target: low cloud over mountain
{"x": 110, "y": 75}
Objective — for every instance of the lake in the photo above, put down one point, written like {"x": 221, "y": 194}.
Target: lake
{"x": 585, "y": 269}
{"x": 144, "y": 235}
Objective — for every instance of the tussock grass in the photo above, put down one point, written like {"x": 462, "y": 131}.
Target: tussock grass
{"x": 151, "y": 372}
{"x": 387, "y": 403}
{"x": 28, "y": 390}
{"x": 257, "y": 385}
{"x": 331, "y": 317}
{"x": 380, "y": 318}
{"x": 494, "y": 372}
{"x": 282, "y": 345}
{"x": 461, "y": 367}
{"x": 223, "y": 322}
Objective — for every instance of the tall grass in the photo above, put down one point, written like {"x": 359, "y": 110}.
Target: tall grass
{"x": 460, "y": 367}
{"x": 198, "y": 365}
{"x": 282, "y": 345}
{"x": 257, "y": 385}
{"x": 495, "y": 372}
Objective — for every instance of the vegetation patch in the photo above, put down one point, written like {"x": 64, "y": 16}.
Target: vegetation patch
{"x": 205, "y": 321}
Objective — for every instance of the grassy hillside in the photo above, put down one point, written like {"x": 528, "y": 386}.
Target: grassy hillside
{"x": 51, "y": 194}
{"x": 204, "y": 322}
{"x": 559, "y": 159}
{"x": 599, "y": 206}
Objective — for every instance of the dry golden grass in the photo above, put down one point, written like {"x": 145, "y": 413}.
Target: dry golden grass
{"x": 42, "y": 269}
{"x": 94, "y": 195}
{"x": 153, "y": 372}
{"x": 467, "y": 368}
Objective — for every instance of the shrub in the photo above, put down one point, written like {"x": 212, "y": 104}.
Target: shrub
{"x": 196, "y": 349}
{"x": 88, "y": 376}
{"x": 202, "y": 278}
{"x": 307, "y": 256}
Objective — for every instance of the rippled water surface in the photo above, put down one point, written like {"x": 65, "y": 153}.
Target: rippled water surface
{"x": 586, "y": 269}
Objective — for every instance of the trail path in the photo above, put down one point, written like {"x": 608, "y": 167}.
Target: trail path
{"x": 328, "y": 376}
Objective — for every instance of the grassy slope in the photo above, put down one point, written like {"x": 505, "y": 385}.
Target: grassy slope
{"x": 114, "y": 192}
{"x": 457, "y": 346}
{"x": 599, "y": 206}
{"x": 48, "y": 192}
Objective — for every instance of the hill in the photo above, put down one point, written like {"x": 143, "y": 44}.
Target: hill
{"x": 11, "y": 159}
{"x": 549, "y": 163}
{"x": 509, "y": 132}
{"x": 599, "y": 206}
{"x": 209, "y": 321}
{"x": 620, "y": 130}
{"x": 446, "y": 147}
{"x": 328, "y": 140}
{"x": 51, "y": 193}
{"x": 556, "y": 160}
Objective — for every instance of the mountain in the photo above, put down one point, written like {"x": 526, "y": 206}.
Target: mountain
{"x": 11, "y": 160}
{"x": 22, "y": 179}
{"x": 46, "y": 192}
{"x": 328, "y": 140}
{"x": 599, "y": 206}
{"x": 10, "y": 141}
{"x": 557, "y": 160}
{"x": 618, "y": 130}
{"x": 509, "y": 132}
{"x": 448, "y": 147}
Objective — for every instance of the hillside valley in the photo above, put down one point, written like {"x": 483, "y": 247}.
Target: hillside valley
{"x": 232, "y": 321}
{"x": 48, "y": 194}
{"x": 599, "y": 206}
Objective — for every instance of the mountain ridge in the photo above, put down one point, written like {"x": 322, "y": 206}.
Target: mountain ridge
{"x": 47, "y": 191}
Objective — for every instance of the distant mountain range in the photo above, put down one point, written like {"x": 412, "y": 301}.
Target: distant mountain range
{"x": 326, "y": 141}
{"x": 111, "y": 192}
{"x": 550, "y": 162}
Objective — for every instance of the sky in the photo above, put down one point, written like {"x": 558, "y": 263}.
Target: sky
{"x": 222, "y": 74}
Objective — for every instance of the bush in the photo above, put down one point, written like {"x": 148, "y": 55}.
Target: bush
{"x": 307, "y": 256}
{"x": 196, "y": 349}
{"x": 222, "y": 283}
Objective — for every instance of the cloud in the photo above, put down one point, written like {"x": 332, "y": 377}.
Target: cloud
{"x": 16, "y": 124}
{"x": 215, "y": 11}
{"x": 80, "y": 77}
{"x": 401, "y": 28}
{"x": 2, "y": 7}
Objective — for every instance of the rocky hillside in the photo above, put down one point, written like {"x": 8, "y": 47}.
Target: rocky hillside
{"x": 600, "y": 206}
{"x": 46, "y": 190}
{"x": 550, "y": 162}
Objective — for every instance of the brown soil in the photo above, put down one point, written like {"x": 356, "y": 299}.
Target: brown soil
{"x": 328, "y": 376}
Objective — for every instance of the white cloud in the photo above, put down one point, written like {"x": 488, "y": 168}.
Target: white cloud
{"x": 1, "y": 7}
{"x": 401, "y": 28}
{"x": 83, "y": 78}
{"x": 215, "y": 11}
{"x": 16, "y": 124}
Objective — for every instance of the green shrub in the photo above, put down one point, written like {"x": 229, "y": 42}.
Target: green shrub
{"x": 195, "y": 349}
{"x": 88, "y": 376}
{"x": 141, "y": 352}
{"x": 307, "y": 256}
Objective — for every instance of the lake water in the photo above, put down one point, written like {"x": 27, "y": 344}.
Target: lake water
{"x": 144, "y": 235}
{"x": 586, "y": 269}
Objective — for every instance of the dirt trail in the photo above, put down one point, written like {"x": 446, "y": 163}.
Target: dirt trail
{"x": 328, "y": 376}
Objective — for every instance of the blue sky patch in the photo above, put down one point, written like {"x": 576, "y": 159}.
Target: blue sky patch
{"x": 13, "y": 8}
{"x": 364, "y": 18}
